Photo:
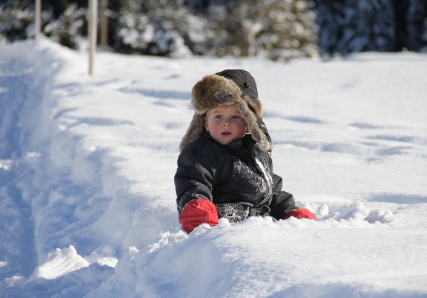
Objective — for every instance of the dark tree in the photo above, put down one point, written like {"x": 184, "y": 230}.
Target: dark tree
{"x": 330, "y": 17}
{"x": 416, "y": 25}
{"x": 348, "y": 26}
{"x": 400, "y": 13}
{"x": 368, "y": 25}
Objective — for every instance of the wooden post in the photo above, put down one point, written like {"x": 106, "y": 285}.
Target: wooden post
{"x": 37, "y": 20}
{"x": 104, "y": 25}
{"x": 93, "y": 5}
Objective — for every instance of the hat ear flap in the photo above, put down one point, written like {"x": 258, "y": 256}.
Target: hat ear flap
{"x": 194, "y": 131}
{"x": 257, "y": 134}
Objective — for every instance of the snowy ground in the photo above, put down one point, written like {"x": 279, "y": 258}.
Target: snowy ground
{"x": 87, "y": 201}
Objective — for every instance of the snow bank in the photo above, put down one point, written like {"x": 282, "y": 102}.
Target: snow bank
{"x": 86, "y": 170}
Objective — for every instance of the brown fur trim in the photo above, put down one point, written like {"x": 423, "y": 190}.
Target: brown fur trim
{"x": 212, "y": 91}
{"x": 194, "y": 131}
{"x": 254, "y": 130}
{"x": 258, "y": 110}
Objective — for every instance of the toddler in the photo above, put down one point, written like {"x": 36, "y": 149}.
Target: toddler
{"x": 225, "y": 167}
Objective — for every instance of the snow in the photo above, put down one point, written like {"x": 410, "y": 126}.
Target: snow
{"x": 87, "y": 200}
{"x": 60, "y": 262}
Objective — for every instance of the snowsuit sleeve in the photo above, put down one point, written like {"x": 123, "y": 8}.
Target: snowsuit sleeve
{"x": 196, "y": 174}
{"x": 282, "y": 202}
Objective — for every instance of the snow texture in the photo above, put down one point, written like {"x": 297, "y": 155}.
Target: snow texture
{"x": 87, "y": 201}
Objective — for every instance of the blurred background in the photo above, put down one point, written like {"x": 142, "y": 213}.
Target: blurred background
{"x": 274, "y": 29}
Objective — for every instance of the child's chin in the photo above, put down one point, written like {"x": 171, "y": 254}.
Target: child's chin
{"x": 226, "y": 142}
{"x": 225, "y": 139}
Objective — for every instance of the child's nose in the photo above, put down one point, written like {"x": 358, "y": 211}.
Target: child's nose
{"x": 226, "y": 123}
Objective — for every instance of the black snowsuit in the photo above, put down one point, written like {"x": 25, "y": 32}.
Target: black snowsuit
{"x": 238, "y": 178}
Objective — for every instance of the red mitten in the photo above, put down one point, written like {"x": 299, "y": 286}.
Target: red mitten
{"x": 197, "y": 212}
{"x": 301, "y": 213}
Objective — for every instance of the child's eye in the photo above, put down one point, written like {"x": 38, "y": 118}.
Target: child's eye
{"x": 235, "y": 117}
{"x": 218, "y": 116}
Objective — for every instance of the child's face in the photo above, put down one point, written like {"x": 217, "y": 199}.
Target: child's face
{"x": 225, "y": 124}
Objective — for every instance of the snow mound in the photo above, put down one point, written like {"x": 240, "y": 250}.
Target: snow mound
{"x": 60, "y": 262}
{"x": 87, "y": 166}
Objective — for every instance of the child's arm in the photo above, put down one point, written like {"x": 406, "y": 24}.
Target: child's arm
{"x": 283, "y": 203}
{"x": 194, "y": 181}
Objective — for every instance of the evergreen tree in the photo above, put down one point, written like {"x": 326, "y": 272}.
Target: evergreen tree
{"x": 16, "y": 20}
{"x": 158, "y": 27}
{"x": 400, "y": 15}
{"x": 368, "y": 25}
{"x": 70, "y": 29}
{"x": 416, "y": 25}
{"x": 17, "y": 23}
{"x": 272, "y": 28}
{"x": 330, "y": 19}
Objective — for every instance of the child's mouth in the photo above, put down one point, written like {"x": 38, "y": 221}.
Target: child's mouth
{"x": 226, "y": 133}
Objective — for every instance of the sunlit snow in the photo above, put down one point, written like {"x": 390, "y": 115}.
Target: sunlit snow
{"x": 87, "y": 200}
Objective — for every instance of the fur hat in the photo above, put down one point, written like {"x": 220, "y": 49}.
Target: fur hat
{"x": 231, "y": 86}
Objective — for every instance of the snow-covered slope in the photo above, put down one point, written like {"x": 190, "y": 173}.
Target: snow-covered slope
{"x": 87, "y": 202}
